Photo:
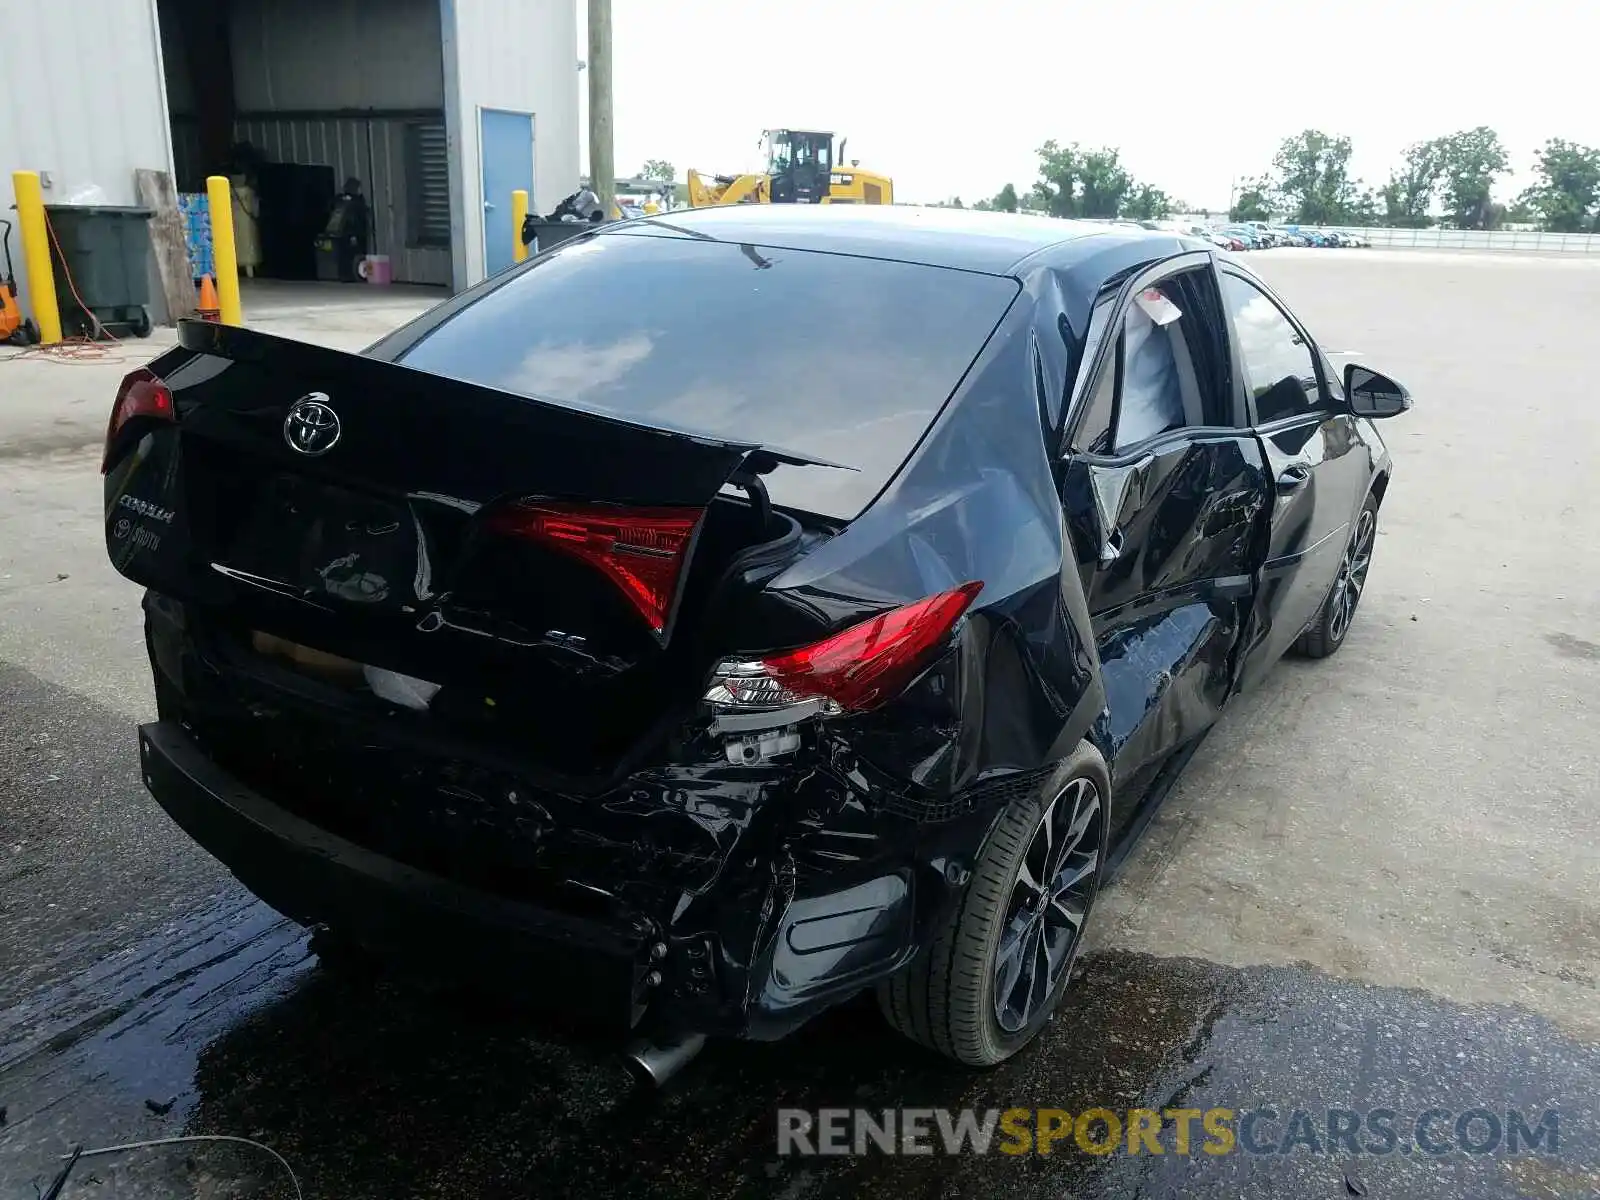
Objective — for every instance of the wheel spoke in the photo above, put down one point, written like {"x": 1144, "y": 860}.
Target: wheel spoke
{"x": 1009, "y": 968}
{"x": 1066, "y": 911}
{"x": 1026, "y": 880}
{"x": 1072, "y": 876}
{"x": 1039, "y": 984}
{"x": 1082, "y": 817}
{"x": 1047, "y": 828}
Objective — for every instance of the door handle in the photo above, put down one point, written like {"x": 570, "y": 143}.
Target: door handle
{"x": 488, "y": 206}
{"x": 1292, "y": 477}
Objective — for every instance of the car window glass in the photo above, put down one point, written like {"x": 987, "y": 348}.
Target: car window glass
{"x": 1278, "y": 365}
{"x": 1094, "y": 426}
{"x": 1094, "y": 431}
{"x": 837, "y": 357}
{"x": 1152, "y": 398}
{"x": 1172, "y": 371}
{"x": 1163, "y": 365}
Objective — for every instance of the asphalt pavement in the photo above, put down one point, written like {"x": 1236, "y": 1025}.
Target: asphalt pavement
{"x": 1376, "y": 890}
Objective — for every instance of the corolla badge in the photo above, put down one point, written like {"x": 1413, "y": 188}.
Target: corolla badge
{"x": 312, "y": 427}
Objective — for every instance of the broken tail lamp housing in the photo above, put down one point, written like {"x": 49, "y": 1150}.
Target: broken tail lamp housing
{"x": 142, "y": 394}
{"x": 640, "y": 550}
{"x": 855, "y": 670}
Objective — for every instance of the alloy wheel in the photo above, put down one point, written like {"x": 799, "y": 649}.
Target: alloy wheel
{"x": 1045, "y": 913}
{"x": 1352, "y": 576}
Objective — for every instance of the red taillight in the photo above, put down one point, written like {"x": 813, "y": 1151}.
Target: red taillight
{"x": 641, "y": 550}
{"x": 142, "y": 394}
{"x": 854, "y": 670}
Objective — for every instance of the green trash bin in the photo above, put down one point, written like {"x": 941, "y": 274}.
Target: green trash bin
{"x": 101, "y": 255}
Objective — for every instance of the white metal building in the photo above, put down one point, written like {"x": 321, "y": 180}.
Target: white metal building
{"x": 439, "y": 107}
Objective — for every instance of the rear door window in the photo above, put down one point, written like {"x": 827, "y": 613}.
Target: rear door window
{"x": 835, "y": 357}
{"x": 1166, "y": 371}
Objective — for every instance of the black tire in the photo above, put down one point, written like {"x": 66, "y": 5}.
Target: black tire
{"x": 140, "y": 325}
{"x": 946, "y": 999}
{"x": 1327, "y": 633}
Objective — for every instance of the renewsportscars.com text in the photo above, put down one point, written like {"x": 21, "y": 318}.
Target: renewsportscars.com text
{"x": 1262, "y": 1130}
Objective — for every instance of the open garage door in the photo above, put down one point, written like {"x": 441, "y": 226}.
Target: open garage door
{"x": 296, "y": 99}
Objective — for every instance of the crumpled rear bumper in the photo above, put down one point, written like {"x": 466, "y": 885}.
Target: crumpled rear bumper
{"x": 316, "y": 877}
{"x": 696, "y": 897}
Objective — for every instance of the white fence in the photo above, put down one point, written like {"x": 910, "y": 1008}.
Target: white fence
{"x": 1507, "y": 240}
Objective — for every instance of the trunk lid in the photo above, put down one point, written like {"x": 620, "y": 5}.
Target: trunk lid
{"x": 542, "y": 564}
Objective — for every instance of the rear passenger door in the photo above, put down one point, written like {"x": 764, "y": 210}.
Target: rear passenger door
{"x": 1317, "y": 466}
{"x": 1163, "y": 485}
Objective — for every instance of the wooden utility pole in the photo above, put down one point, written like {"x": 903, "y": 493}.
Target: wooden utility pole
{"x": 602, "y": 168}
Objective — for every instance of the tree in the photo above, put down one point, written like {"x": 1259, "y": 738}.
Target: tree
{"x": 1006, "y": 200}
{"x": 1364, "y": 209}
{"x": 1313, "y": 178}
{"x": 1254, "y": 202}
{"x": 1074, "y": 182}
{"x": 1566, "y": 195}
{"x": 660, "y": 169}
{"x": 1105, "y": 184}
{"x": 1469, "y": 161}
{"x": 1147, "y": 203}
{"x": 1057, "y": 189}
{"x": 1409, "y": 193}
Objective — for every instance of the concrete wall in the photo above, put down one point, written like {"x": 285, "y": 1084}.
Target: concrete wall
{"x": 88, "y": 110}
{"x": 519, "y": 55}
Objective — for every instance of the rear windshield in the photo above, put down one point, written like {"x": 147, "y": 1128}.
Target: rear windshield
{"x": 832, "y": 357}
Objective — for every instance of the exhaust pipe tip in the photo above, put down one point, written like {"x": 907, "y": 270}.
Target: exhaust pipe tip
{"x": 653, "y": 1063}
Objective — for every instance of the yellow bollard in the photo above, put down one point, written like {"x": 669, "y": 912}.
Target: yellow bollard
{"x": 36, "y": 255}
{"x": 519, "y": 214}
{"x": 222, "y": 250}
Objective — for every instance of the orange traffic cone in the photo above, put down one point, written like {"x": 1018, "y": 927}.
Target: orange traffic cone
{"x": 210, "y": 307}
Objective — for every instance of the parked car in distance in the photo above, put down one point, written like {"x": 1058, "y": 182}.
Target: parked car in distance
{"x": 1264, "y": 232}
{"x": 469, "y": 647}
{"x": 1227, "y": 241}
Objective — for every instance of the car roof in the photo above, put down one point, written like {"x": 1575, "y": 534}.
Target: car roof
{"x": 995, "y": 243}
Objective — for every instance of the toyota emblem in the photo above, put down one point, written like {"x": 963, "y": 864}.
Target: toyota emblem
{"x": 312, "y": 427}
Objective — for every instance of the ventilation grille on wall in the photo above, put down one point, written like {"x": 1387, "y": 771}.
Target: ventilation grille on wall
{"x": 428, "y": 184}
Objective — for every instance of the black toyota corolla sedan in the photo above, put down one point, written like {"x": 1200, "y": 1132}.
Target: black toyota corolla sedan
{"x": 730, "y": 611}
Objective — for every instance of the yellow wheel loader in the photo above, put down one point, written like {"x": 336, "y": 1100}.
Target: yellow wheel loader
{"x": 801, "y": 169}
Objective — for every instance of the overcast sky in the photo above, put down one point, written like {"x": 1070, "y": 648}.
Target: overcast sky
{"x": 953, "y": 99}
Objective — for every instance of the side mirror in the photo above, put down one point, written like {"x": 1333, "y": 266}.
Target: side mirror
{"x": 1374, "y": 395}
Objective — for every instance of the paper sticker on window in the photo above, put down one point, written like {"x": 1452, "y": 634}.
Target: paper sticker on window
{"x": 1157, "y": 307}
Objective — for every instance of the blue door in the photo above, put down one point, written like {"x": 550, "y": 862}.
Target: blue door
{"x": 505, "y": 150}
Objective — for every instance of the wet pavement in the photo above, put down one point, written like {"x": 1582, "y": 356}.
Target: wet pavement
{"x": 374, "y": 1088}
